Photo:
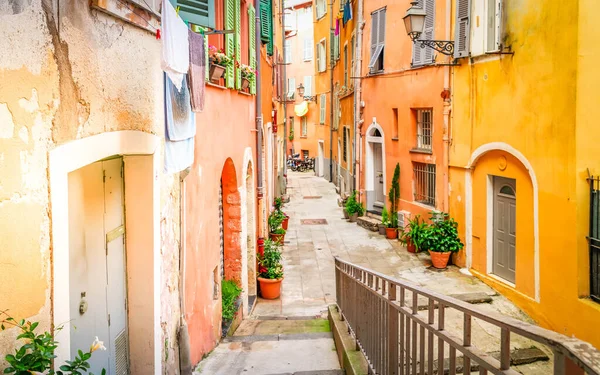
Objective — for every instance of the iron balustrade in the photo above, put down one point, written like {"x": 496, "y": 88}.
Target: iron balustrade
{"x": 594, "y": 238}
{"x": 382, "y": 314}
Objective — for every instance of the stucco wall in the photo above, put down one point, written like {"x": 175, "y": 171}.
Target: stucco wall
{"x": 64, "y": 79}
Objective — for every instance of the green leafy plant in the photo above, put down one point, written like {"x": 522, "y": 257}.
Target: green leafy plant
{"x": 353, "y": 206}
{"x": 269, "y": 264}
{"x": 35, "y": 356}
{"x": 416, "y": 231}
{"x": 230, "y": 292}
{"x": 219, "y": 57}
{"x": 385, "y": 217}
{"x": 291, "y": 137}
{"x": 442, "y": 235}
{"x": 278, "y": 203}
{"x": 276, "y": 218}
{"x": 394, "y": 197}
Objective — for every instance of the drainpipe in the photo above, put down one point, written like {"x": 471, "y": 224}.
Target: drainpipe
{"x": 331, "y": 56}
{"x": 360, "y": 23}
{"x": 259, "y": 119}
{"x": 446, "y": 111}
{"x": 284, "y": 101}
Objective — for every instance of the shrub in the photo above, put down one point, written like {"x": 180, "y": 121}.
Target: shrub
{"x": 416, "y": 231}
{"x": 442, "y": 235}
{"x": 394, "y": 197}
{"x": 230, "y": 292}
{"x": 385, "y": 217}
{"x": 353, "y": 206}
{"x": 276, "y": 218}
{"x": 269, "y": 264}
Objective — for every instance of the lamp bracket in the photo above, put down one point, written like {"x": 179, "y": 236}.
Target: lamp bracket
{"x": 445, "y": 47}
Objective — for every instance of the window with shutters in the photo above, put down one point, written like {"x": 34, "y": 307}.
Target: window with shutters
{"x": 289, "y": 20}
{"x": 377, "y": 40}
{"x": 197, "y": 12}
{"x": 462, "y": 28}
{"x": 308, "y": 48}
{"x": 291, "y": 88}
{"x": 307, "y": 85}
{"x": 424, "y": 128}
{"x": 483, "y": 36}
{"x": 321, "y": 56}
{"x": 287, "y": 51}
{"x": 266, "y": 24}
{"x": 346, "y": 65}
{"x": 425, "y": 55}
{"x": 304, "y": 123}
{"x": 493, "y": 21}
{"x": 345, "y": 144}
{"x": 322, "y": 108}
{"x": 321, "y": 8}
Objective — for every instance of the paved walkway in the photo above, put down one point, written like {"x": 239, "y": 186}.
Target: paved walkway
{"x": 309, "y": 284}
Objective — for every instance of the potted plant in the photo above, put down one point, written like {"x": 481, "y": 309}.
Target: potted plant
{"x": 391, "y": 232}
{"x": 441, "y": 239}
{"x": 270, "y": 270}
{"x": 248, "y": 75}
{"x": 277, "y": 233}
{"x": 412, "y": 236}
{"x": 218, "y": 61}
{"x": 278, "y": 204}
{"x": 385, "y": 219}
{"x": 354, "y": 208}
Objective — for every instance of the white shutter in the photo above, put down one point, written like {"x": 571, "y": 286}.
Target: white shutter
{"x": 463, "y": 10}
{"x": 291, "y": 88}
{"x": 374, "y": 30}
{"x": 428, "y": 30}
{"x": 322, "y": 108}
{"x": 308, "y": 48}
{"x": 307, "y": 85}
{"x": 287, "y": 57}
{"x": 319, "y": 57}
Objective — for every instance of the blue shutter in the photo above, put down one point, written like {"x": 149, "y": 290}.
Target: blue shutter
{"x": 197, "y": 12}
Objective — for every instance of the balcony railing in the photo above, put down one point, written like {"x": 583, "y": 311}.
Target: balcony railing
{"x": 397, "y": 337}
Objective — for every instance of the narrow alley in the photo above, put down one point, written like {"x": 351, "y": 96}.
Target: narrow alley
{"x": 290, "y": 335}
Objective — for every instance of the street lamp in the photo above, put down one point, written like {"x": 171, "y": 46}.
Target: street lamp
{"x": 301, "y": 94}
{"x": 414, "y": 22}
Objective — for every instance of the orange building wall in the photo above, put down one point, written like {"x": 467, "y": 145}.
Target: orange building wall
{"x": 403, "y": 87}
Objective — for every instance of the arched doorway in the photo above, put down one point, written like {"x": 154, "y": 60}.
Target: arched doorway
{"x": 230, "y": 225}
{"x": 249, "y": 260}
{"x": 375, "y": 169}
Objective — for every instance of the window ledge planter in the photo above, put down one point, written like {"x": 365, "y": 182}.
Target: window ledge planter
{"x": 270, "y": 288}
{"x": 245, "y": 83}
{"x": 216, "y": 72}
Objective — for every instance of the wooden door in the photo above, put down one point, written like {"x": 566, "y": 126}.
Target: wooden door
{"x": 505, "y": 228}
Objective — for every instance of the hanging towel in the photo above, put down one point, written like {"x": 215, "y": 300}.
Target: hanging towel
{"x": 347, "y": 12}
{"x": 197, "y": 73}
{"x": 337, "y": 26}
{"x": 180, "y": 127}
{"x": 175, "y": 59}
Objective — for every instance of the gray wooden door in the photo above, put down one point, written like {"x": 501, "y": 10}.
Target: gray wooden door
{"x": 378, "y": 175}
{"x": 505, "y": 228}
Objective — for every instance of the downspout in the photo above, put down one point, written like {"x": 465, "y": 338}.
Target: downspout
{"x": 447, "y": 110}
{"x": 357, "y": 93}
{"x": 331, "y": 57}
{"x": 185, "y": 360}
{"x": 259, "y": 119}
{"x": 285, "y": 93}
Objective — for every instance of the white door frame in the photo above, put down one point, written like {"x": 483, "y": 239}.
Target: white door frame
{"x": 321, "y": 156}
{"x": 143, "y": 210}
{"x": 370, "y": 158}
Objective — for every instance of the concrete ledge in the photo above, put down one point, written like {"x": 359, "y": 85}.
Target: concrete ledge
{"x": 368, "y": 223}
{"x": 353, "y": 362}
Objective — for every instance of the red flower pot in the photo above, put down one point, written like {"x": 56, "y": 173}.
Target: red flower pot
{"x": 391, "y": 233}
{"x": 439, "y": 260}
{"x": 270, "y": 288}
{"x": 285, "y": 222}
{"x": 410, "y": 246}
{"x": 278, "y": 238}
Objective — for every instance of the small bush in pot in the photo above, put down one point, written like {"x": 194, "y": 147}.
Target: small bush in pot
{"x": 270, "y": 270}
{"x": 276, "y": 231}
{"x": 413, "y": 235}
{"x": 230, "y": 292}
{"x": 441, "y": 239}
{"x": 385, "y": 220}
{"x": 278, "y": 204}
{"x": 391, "y": 231}
{"x": 354, "y": 208}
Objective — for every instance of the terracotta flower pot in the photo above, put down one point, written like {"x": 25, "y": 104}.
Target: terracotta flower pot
{"x": 382, "y": 229}
{"x": 346, "y": 215}
{"x": 391, "y": 233}
{"x": 439, "y": 260}
{"x": 270, "y": 288}
{"x": 285, "y": 222}
{"x": 245, "y": 83}
{"x": 216, "y": 72}
{"x": 277, "y": 237}
{"x": 353, "y": 217}
{"x": 410, "y": 246}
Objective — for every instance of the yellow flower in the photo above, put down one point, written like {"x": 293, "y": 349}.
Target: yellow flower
{"x": 97, "y": 344}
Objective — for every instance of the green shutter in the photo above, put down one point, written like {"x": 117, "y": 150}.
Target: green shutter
{"x": 230, "y": 41}
{"x": 238, "y": 44}
{"x": 198, "y": 12}
{"x": 266, "y": 24}
{"x": 252, "y": 43}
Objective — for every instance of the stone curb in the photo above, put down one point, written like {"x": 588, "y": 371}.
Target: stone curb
{"x": 353, "y": 362}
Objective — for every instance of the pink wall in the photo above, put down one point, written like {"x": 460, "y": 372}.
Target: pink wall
{"x": 225, "y": 130}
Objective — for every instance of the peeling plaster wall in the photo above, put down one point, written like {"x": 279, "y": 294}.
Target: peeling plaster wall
{"x": 61, "y": 79}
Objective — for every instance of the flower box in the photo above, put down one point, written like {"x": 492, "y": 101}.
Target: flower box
{"x": 216, "y": 72}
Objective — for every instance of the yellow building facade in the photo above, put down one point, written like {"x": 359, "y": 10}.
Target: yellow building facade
{"x": 522, "y": 143}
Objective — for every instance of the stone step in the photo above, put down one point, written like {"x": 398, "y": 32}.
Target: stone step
{"x": 275, "y": 327}
{"x": 368, "y": 223}
{"x": 374, "y": 215}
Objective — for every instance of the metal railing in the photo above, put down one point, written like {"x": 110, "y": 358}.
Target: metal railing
{"x": 383, "y": 315}
{"x": 594, "y": 238}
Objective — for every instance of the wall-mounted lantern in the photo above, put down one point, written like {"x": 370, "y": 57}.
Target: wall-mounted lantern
{"x": 414, "y": 22}
{"x": 301, "y": 94}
